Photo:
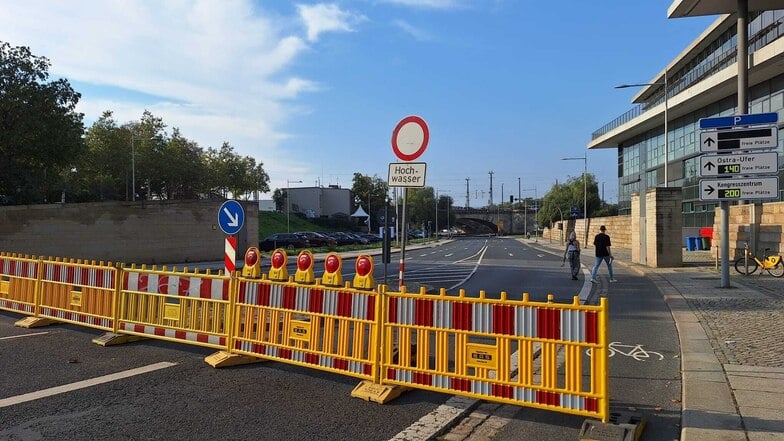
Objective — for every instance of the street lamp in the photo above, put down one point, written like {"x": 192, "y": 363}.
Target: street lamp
{"x": 666, "y": 108}
{"x": 583, "y": 158}
{"x": 288, "y": 204}
{"x": 133, "y": 166}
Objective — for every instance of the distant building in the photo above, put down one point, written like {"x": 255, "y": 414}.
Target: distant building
{"x": 267, "y": 205}
{"x": 331, "y": 201}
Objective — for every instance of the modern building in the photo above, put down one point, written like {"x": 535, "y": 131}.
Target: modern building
{"x": 315, "y": 202}
{"x": 701, "y": 82}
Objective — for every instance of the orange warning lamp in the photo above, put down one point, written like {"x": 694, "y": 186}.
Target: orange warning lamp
{"x": 278, "y": 269}
{"x": 252, "y": 268}
{"x": 304, "y": 272}
{"x": 332, "y": 266}
{"x": 363, "y": 279}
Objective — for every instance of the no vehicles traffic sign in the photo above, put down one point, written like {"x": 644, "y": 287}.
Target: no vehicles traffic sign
{"x": 410, "y": 138}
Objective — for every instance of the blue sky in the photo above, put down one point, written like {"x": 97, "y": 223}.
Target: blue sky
{"x": 314, "y": 89}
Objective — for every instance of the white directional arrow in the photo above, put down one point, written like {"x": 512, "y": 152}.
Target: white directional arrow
{"x": 234, "y": 218}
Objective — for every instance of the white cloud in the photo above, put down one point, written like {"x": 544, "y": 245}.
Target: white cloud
{"x": 323, "y": 17}
{"x": 427, "y": 4}
{"x": 415, "y": 32}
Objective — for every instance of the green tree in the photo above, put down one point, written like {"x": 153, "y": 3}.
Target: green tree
{"x": 40, "y": 130}
{"x": 421, "y": 204}
{"x": 566, "y": 196}
{"x": 371, "y": 193}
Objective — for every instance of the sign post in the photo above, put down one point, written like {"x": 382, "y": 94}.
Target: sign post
{"x": 409, "y": 140}
{"x": 231, "y": 218}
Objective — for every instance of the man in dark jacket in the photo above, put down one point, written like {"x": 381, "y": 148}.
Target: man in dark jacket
{"x": 601, "y": 243}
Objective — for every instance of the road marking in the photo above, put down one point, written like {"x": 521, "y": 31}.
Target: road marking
{"x": 449, "y": 255}
{"x": 478, "y": 262}
{"x": 511, "y": 255}
{"x": 82, "y": 384}
{"x": 23, "y": 335}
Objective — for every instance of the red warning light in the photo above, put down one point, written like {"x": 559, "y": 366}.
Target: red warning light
{"x": 363, "y": 266}
{"x": 304, "y": 261}
{"x": 332, "y": 263}
{"x": 251, "y": 257}
{"x": 278, "y": 259}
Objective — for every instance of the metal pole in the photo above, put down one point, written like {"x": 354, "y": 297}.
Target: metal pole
{"x": 585, "y": 197}
{"x": 288, "y": 208}
{"x": 403, "y": 241}
{"x": 133, "y": 170}
{"x": 436, "y": 215}
{"x": 666, "y": 132}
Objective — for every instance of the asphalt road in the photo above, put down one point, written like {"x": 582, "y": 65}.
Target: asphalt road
{"x": 160, "y": 390}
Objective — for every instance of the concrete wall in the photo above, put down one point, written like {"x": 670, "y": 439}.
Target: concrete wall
{"x": 130, "y": 232}
{"x": 664, "y": 222}
{"x": 618, "y": 228}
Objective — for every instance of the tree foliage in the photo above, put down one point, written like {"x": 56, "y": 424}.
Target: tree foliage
{"x": 40, "y": 130}
{"x": 370, "y": 193}
{"x": 567, "y": 199}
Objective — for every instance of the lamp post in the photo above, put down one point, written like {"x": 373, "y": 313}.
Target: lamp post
{"x": 133, "y": 165}
{"x": 583, "y": 158}
{"x": 288, "y": 204}
{"x": 666, "y": 119}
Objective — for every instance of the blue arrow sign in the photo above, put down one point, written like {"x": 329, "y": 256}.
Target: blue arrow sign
{"x": 739, "y": 120}
{"x": 231, "y": 217}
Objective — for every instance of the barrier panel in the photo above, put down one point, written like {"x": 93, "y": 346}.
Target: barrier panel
{"x": 79, "y": 293}
{"x": 465, "y": 346}
{"x": 18, "y": 283}
{"x": 182, "y": 307}
{"x": 326, "y": 328}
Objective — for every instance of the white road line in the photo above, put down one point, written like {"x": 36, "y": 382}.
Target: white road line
{"x": 511, "y": 255}
{"x": 449, "y": 255}
{"x": 23, "y": 335}
{"x": 476, "y": 266}
{"x": 83, "y": 384}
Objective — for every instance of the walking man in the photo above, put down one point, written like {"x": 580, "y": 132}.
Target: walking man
{"x": 601, "y": 243}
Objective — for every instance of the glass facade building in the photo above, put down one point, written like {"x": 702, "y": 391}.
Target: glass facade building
{"x": 701, "y": 83}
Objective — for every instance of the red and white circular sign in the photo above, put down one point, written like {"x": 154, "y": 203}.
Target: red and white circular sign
{"x": 410, "y": 138}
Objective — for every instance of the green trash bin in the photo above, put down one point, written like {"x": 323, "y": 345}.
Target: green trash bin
{"x": 706, "y": 243}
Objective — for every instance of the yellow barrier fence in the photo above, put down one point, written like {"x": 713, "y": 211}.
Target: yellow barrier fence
{"x": 326, "y": 328}
{"x": 78, "y": 292}
{"x": 465, "y": 346}
{"x": 185, "y": 307}
{"x": 18, "y": 283}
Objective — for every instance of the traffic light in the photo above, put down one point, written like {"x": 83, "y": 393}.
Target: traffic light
{"x": 278, "y": 269}
{"x": 252, "y": 268}
{"x": 363, "y": 279}
{"x": 304, "y": 272}
{"x": 511, "y": 199}
{"x": 332, "y": 266}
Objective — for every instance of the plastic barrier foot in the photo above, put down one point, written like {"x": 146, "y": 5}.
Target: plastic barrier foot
{"x": 377, "y": 393}
{"x": 34, "y": 322}
{"x": 222, "y": 359}
{"x": 623, "y": 426}
{"x": 111, "y": 339}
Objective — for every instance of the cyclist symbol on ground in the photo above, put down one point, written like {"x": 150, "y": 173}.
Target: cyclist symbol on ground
{"x": 636, "y": 352}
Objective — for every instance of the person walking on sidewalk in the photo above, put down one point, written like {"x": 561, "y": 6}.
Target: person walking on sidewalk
{"x": 572, "y": 253}
{"x": 601, "y": 243}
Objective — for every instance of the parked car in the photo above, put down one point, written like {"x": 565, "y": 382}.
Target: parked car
{"x": 341, "y": 238}
{"x": 372, "y": 238}
{"x": 318, "y": 239}
{"x": 358, "y": 238}
{"x": 283, "y": 240}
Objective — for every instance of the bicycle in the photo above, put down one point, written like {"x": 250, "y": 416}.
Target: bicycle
{"x": 748, "y": 263}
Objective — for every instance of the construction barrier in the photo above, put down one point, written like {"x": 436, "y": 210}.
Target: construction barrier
{"x": 18, "y": 282}
{"x": 185, "y": 307}
{"x": 466, "y": 346}
{"x": 326, "y": 328}
{"x": 76, "y": 292}
{"x": 543, "y": 355}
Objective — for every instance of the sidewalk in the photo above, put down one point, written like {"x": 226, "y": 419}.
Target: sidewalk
{"x": 732, "y": 346}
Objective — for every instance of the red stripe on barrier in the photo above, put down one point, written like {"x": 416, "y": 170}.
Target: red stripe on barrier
{"x": 138, "y": 328}
{"x": 311, "y": 358}
{"x": 591, "y": 404}
{"x": 205, "y": 288}
{"x": 289, "y": 300}
{"x": 284, "y": 353}
{"x": 367, "y": 369}
{"x": 183, "y": 286}
{"x": 99, "y": 276}
{"x": 316, "y": 301}
{"x": 461, "y": 316}
{"x": 163, "y": 284}
{"x": 179, "y": 334}
{"x": 392, "y": 313}
{"x": 371, "y": 308}
{"x": 159, "y": 331}
{"x": 143, "y": 282}
{"x": 12, "y": 268}
{"x": 591, "y": 328}
{"x": 423, "y": 378}
{"x": 390, "y": 374}
{"x": 460, "y": 384}
{"x": 502, "y": 391}
{"x": 344, "y": 304}
{"x": 548, "y": 323}
{"x": 125, "y": 281}
{"x": 259, "y": 348}
{"x": 503, "y": 319}
{"x": 423, "y": 312}
{"x": 551, "y": 398}
{"x": 264, "y": 294}
{"x": 340, "y": 364}
{"x": 241, "y": 294}
{"x": 225, "y": 290}
{"x": 202, "y": 338}
{"x": 69, "y": 277}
